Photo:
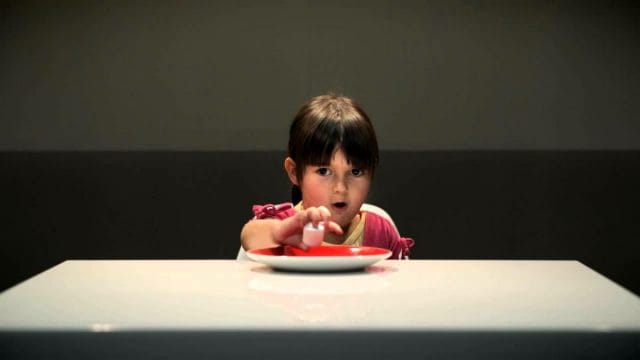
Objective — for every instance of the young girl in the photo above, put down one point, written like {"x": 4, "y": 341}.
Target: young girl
{"x": 332, "y": 156}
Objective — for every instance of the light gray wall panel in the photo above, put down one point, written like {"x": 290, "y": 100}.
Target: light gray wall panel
{"x": 228, "y": 75}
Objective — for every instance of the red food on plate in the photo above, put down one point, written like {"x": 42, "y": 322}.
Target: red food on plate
{"x": 336, "y": 250}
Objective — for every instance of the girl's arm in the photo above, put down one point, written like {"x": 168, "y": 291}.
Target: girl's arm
{"x": 260, "y": 233}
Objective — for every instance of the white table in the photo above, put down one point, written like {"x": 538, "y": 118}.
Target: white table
{"x": 241, "y": 309}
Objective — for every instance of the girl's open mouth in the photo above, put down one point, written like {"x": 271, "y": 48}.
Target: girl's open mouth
{"x": 340, "y": 205}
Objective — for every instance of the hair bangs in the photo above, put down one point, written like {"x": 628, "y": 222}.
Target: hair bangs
{"x": 359, "y": 145}
{"x": 321, "y": 143}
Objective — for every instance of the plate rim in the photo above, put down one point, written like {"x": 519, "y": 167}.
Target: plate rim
{"x": 319, "y": 263}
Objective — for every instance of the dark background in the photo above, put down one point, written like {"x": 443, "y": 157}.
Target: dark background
{"x": 130, "y": 129}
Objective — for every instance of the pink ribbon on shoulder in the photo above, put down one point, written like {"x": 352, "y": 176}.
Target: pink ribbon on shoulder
{"x": 272, "y": 211}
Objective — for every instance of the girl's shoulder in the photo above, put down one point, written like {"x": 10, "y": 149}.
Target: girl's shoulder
{"x": 380, "y": 231}
{"x": 274, "y": 211}
{"x": 378, "y": 223}
{"x": 373, "y": 209}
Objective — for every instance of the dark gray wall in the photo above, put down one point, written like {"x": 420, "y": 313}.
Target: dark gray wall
{"x": 201, "y": 75}
{"x": 578, "y": 205}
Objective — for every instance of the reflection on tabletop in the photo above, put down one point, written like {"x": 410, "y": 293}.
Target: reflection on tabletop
{"x": 318, "y": 297}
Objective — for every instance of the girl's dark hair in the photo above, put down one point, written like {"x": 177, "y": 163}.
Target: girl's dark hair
{"x": 324, "y": 124}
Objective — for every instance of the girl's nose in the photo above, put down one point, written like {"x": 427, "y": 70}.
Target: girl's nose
{"x": 339, "y": 186}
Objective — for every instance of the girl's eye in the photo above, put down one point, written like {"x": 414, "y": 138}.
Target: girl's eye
{"x": 322, "y": 171}
{"x": 357, "y": 172}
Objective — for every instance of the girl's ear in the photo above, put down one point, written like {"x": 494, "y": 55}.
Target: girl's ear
{"x": 290, "y": 168}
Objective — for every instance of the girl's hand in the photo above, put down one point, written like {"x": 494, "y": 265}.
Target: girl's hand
{"x": 290, "y": 230}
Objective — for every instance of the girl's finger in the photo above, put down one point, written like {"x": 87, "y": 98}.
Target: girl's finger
{"x": 333, "y": 227}
{"x": 325, "y": 214}
{"x": 315, "y": 215}
{"x": 296, "y": 241}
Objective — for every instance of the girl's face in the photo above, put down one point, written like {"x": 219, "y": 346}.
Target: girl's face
{"x": 339, "y": 186}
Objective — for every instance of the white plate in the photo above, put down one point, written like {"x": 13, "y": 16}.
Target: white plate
{"x": 322, "y": 258}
